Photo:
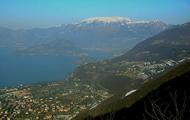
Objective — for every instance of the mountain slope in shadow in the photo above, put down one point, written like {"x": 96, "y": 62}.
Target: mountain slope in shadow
{"x": 164, "y": 98}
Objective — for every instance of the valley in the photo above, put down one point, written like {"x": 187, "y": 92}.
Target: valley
{"x": 82, "y": 78}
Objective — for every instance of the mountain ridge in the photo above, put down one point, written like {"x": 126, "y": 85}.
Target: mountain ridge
{"x": 118, "y": 35}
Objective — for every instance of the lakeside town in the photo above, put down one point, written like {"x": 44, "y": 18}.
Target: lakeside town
{"x": 48, "y": 102}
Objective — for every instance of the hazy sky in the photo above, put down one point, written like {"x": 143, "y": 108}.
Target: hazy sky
{"x": 45, "y": 13}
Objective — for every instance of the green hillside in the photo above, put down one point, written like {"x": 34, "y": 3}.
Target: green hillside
{"x": 171, "y": 81}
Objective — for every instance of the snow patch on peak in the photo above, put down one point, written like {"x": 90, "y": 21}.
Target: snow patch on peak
{"x": 116, "y": 19}
{"x": 145, "y": 22}
{"x": 106, "y": 20}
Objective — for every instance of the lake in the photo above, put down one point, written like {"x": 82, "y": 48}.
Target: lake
{"x": 16, "y": 69}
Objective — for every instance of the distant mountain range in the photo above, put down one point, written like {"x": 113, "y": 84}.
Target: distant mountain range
{"x": 106, "y": 34}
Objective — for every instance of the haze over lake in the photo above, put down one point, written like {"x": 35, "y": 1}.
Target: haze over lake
{"x": 18, "y": 69}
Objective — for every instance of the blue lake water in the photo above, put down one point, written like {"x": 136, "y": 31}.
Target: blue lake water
{"x": 18, "y": 69}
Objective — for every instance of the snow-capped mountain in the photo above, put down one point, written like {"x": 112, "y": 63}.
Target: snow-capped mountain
{"x": 119, "y": 33}
{"x": 123, "y": 20}
{"x": 118, "y": 20}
